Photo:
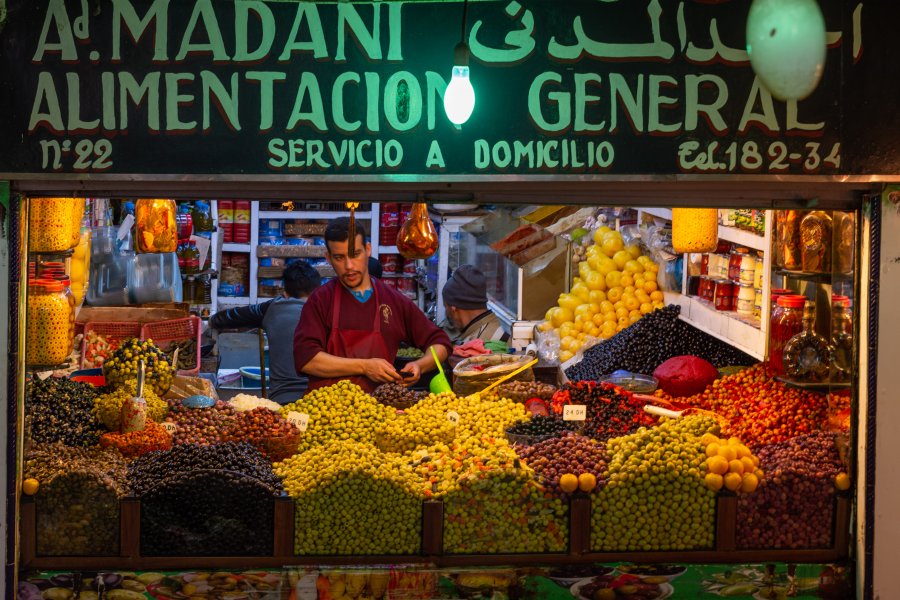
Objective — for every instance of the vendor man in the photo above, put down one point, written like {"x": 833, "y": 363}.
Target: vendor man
{"x": 352, "y": 327}
{"x": 465, "y": 302}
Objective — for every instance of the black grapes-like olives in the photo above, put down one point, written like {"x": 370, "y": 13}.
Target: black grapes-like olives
{"x": 651, "y": 341}
{"x": 541, "y": 425}
{"x": 61, "y": 410}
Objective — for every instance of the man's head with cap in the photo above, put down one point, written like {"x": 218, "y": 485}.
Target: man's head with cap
{"x": 465, "y": 292}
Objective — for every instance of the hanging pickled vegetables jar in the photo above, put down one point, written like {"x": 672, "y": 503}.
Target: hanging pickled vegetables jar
{"x": 54, "y": 223}
{"x": 50, "y": 318}
{"x": 156, "y": 226}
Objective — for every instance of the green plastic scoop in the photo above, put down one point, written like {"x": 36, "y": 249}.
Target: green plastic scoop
{"x": 439, "y": 382}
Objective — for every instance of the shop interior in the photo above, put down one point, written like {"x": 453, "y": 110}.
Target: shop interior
{"x": 678, "y": 385}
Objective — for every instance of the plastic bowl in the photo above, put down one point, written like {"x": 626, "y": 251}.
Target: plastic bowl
{"x": 250, "y": 377}
{"x": 633, "y": 382}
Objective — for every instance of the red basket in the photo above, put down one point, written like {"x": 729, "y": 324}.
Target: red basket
{"x": 164, "y": 333}
{"x": 112, "y": 331}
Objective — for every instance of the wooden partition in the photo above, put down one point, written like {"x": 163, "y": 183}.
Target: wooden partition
{"x": 725, "y": 550}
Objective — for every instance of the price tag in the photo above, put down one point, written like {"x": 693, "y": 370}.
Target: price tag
{"x": 574, "y": 412}
{"x": 171, "y": 428}
{"x": 453, "y": 417}
{"x": 301, "y": 420}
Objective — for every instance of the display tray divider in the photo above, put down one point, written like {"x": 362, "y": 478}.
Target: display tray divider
{"x": 432, "y": 552}
{"x": 726, "y": 521}
{"x": 579, "y": 525}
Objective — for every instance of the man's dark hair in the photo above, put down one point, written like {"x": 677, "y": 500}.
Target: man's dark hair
{"x": 338, "y": 230}
{"x": 300, "y": 279}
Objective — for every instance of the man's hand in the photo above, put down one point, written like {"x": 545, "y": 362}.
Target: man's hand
{"x": 411, "y": 374}
{"x": 380, "y": 370}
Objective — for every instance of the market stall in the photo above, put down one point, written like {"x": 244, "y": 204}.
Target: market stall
{"x": 704, "y": 393}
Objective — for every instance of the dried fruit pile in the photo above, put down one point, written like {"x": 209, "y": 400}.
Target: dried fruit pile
{"x": 760, "y": 410}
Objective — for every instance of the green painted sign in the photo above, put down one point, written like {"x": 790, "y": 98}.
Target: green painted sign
{"x": 251, "y": 87}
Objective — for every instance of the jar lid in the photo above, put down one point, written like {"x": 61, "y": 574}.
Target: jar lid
{"x": 841, "y": 300}
{"x": 781, "y": 292}
{"x": 791, "y": 301}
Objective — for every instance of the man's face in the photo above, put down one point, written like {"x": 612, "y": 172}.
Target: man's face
{"x": 452, "y": 316}
{"x": 351, "y": 270}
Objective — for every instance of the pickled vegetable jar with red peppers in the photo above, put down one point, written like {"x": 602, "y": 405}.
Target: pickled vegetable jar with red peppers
{"x": 157, "y": 229}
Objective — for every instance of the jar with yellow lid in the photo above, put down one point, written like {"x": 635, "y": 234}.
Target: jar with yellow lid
{"x": 50, "y": 320}
{"x": 54, "y": 224}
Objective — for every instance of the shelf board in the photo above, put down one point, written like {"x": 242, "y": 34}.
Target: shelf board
{"x": 388, "y": 250}
{"x": 233, "y": 300}
{"x": 742, "y": 237}
{"x": 232, "y": 247}
{"x": 313, "y": 214}
{"x": 719, "y": 324}
{"x": 661, "y": 213}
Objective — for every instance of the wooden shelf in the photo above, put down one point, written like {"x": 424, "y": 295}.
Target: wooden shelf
{"x": 388, "y": 250}
{"x": 313, "y": 214}
{"x": 741, "y": 237}
{"x": 234, "y": 300}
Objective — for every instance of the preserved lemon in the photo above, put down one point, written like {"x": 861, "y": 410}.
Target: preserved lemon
{"x": 694, "y": 229}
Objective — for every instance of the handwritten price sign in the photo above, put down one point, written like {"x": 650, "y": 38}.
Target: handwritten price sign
{"x": 574, "y": 412}
{"x": 299, "y": 419}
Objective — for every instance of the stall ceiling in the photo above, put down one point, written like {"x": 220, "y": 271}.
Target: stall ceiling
{"x": 787, "y": 192}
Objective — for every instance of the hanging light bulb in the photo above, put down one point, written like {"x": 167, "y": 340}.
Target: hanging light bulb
{"x": 459, "y": 97}
{"x": 786, "y": 41}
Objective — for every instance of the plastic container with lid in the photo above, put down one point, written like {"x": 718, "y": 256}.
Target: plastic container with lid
{"x": 748, "y": 269}
{"x": 54, "y": 223}
{"x": 50, "y": 319}
{"x": 787, "y": 239}
{"x": 156, "y": 226}
{"x": 786, "y": 322}
{"x": 225, "y": 209}
{"x": 639, "y": 383}
{"x": 815, "y": 242}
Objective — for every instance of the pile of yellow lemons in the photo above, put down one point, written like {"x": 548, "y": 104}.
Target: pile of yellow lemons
{"x": 615, "y": 286}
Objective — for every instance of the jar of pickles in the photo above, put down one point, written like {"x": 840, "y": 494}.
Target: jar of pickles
{"x": 786, "y": 322}
{"x": 54, "y": 224}
{"x": 51, "y": 320}
{"x": 156, "y": 226}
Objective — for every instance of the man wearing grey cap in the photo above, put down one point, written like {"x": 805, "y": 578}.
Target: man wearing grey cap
{"x": 465, "y": 301}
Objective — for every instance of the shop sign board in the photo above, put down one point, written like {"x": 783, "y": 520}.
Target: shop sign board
{"x": 253, "y": 87}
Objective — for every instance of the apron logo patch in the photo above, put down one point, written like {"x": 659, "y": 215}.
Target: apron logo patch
{"x": 385, "y": 313}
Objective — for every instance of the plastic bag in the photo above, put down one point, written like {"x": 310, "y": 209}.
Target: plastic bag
{"x": 478, "y": 372}
{"x": 547, "y": 343}
{"x": 658, "y": 241}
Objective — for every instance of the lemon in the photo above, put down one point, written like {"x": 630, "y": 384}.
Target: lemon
{"x": 713, "y": 481}
{"x": 568, "y": 483}
{"x": 842, "y": 481}
{"x": 749, "y": 483}
{"x": 733, "y": 481}
{"x": 587, "y": 482}
{"x": 30, "y": 486}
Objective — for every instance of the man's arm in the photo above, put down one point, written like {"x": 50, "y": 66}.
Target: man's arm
{"x": 328, "y": 365}
{"x": 240, "y": 316}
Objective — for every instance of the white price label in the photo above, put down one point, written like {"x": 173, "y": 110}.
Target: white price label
{"x": 301, "y": 420}
{"x": 574, "y": 412}
{"x": 171, "y": 428}
{"x": 453, "y": 417}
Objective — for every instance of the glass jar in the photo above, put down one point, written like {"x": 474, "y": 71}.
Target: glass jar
{"x": 54, "y": 224}
{"x": 745, "y": 299}
{"x": 807, "y": 355}
{"x": 786, "y": 322}
{"x": 748, "y": 269}
{"x": 758, "y": 272}
{"x": 723, "y": 295}
{"x": 70, "y": 296}
{"x": 50, "y": 323}
{"x": 841, "y": 339}
{"x": 787, "y": 239}
{"x": 815, "y": 242}
{"x": 844, "y": 233}
{"x": 734, "y": 264}
{"x": 757, "y": 303}
{"x": 156, "y": 226}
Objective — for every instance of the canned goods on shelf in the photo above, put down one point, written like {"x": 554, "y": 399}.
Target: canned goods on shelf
{"x": 723, "y": 294}
{"x": 745, "y": 299}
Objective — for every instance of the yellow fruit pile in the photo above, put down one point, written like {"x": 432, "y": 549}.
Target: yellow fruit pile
{"x": 731, "y": 465}
{"x": 614, "y": 288}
